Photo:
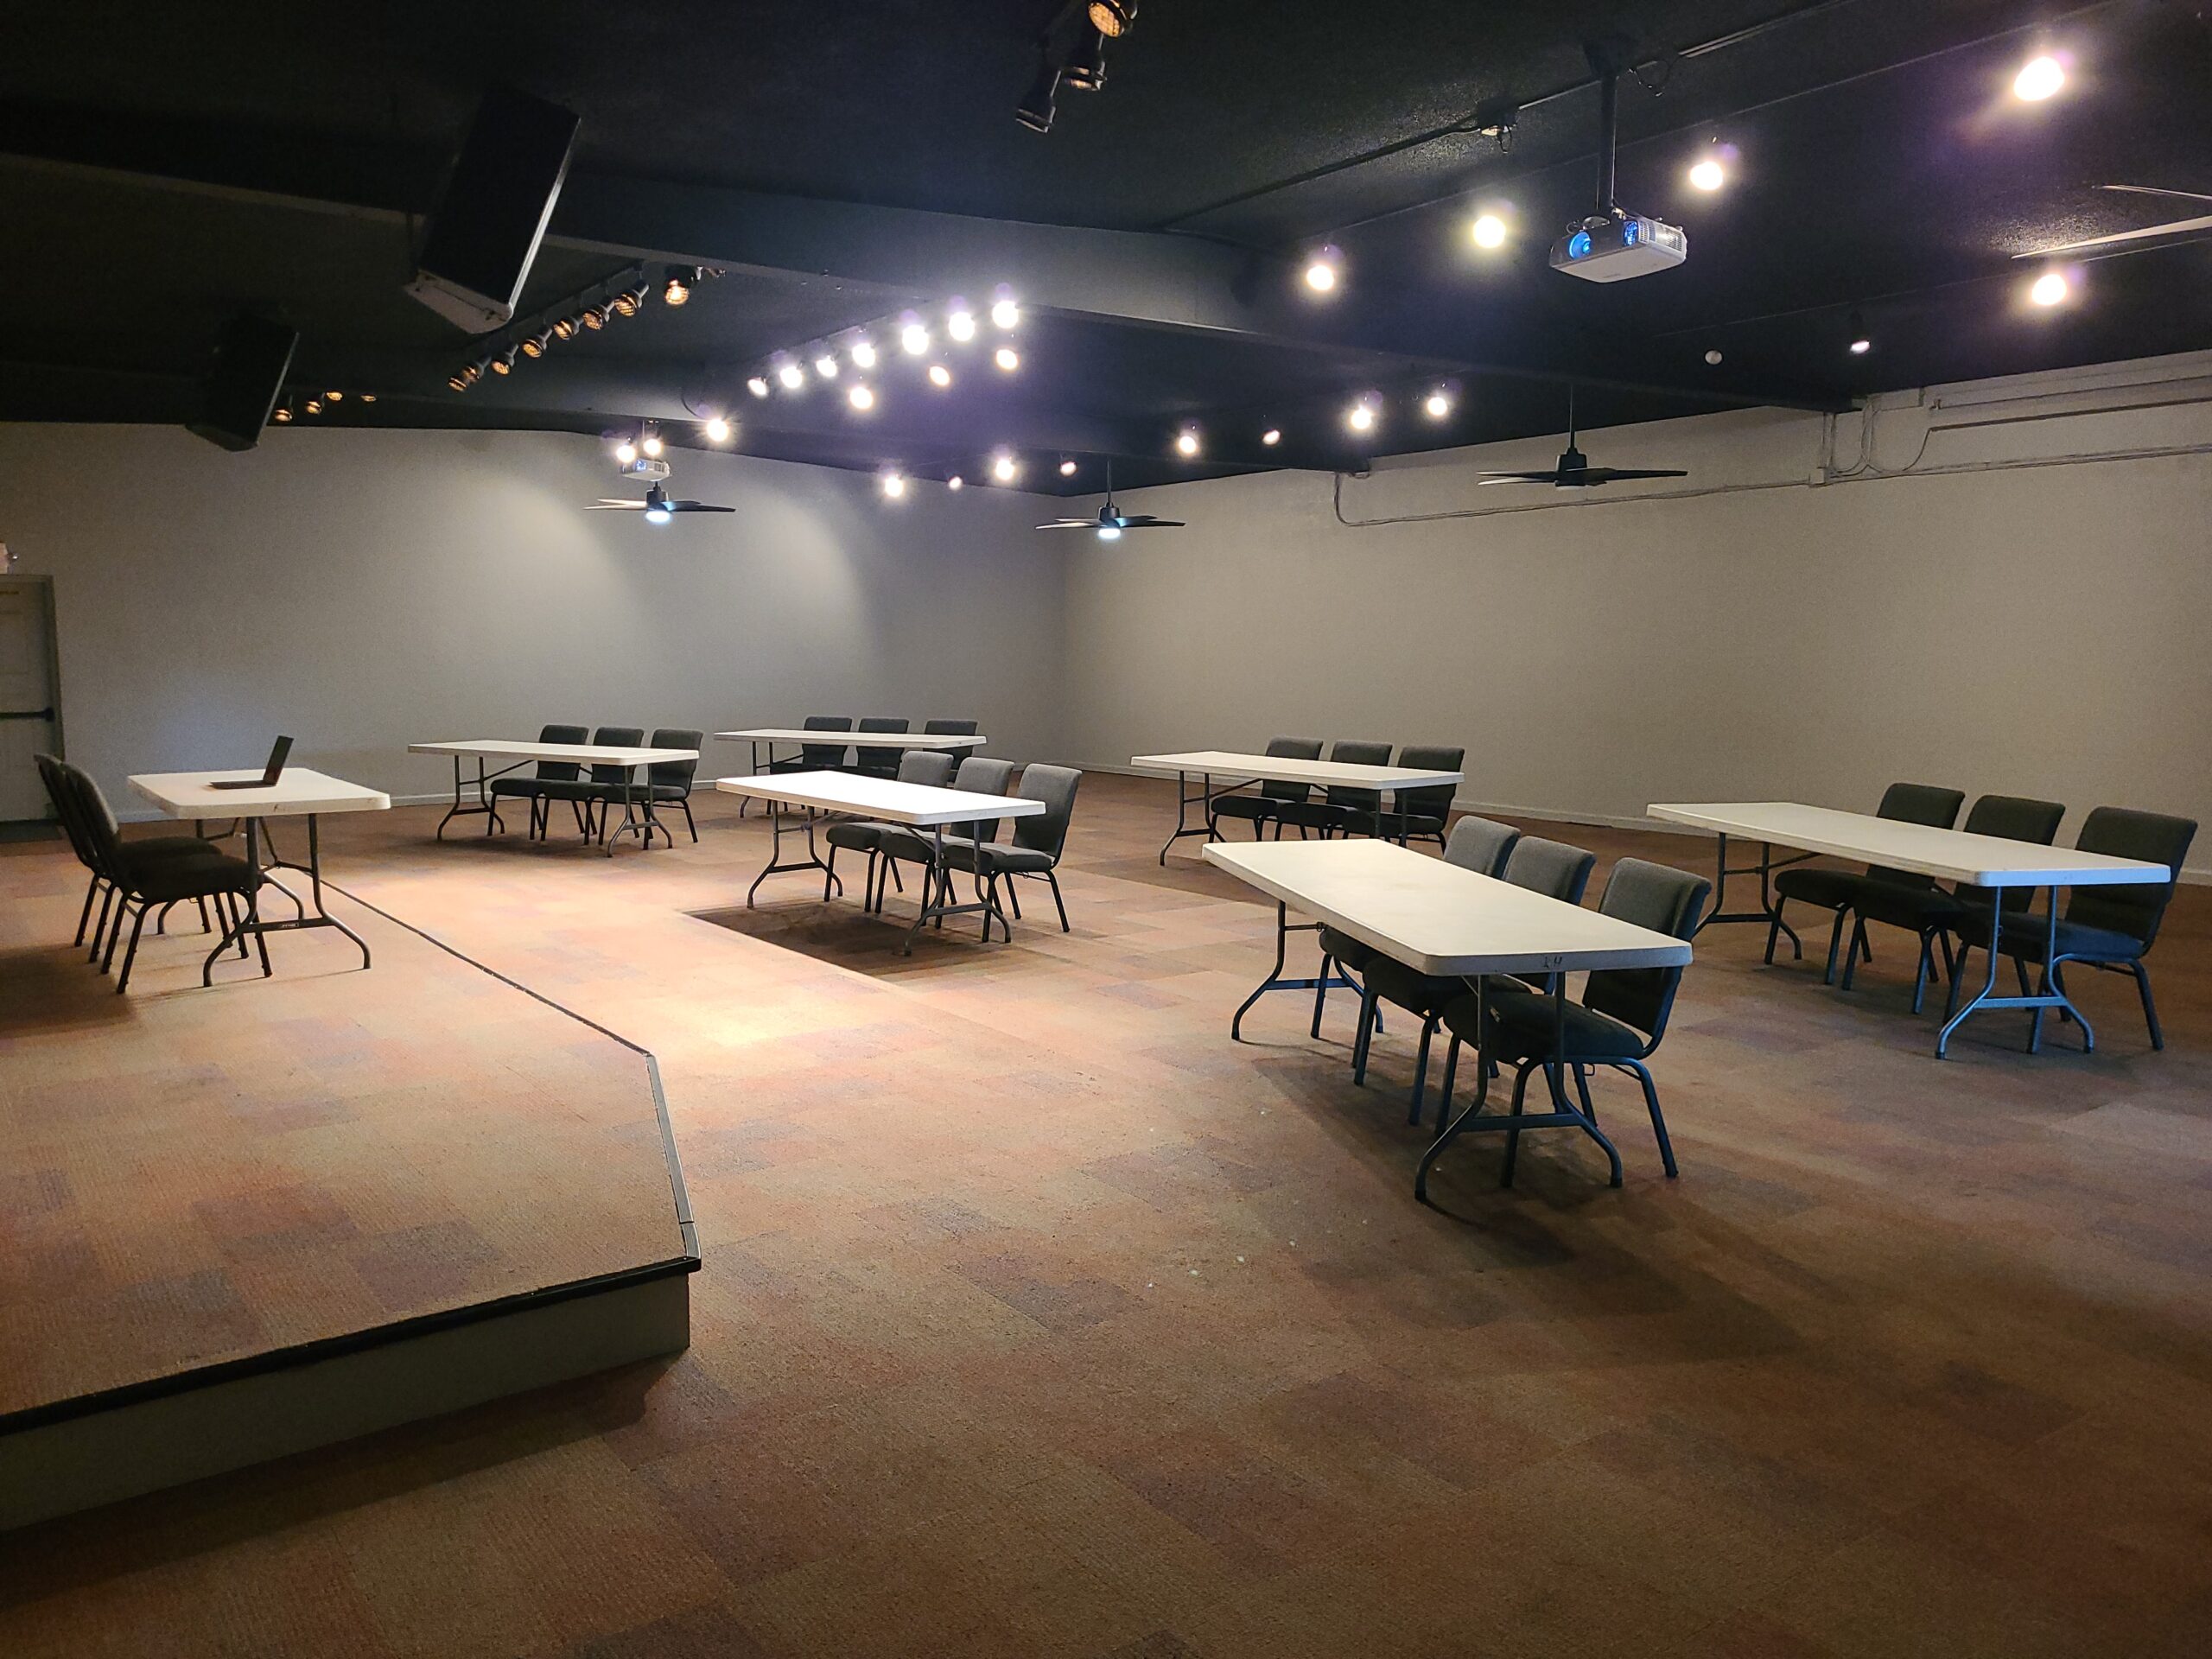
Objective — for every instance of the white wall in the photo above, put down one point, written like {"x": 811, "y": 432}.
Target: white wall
{"x": 363, "y": 589}
{"x": 2038, "y": 630}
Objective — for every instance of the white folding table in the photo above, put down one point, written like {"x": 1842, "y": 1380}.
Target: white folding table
{"x": 919, "y": 805}
{"x": 522, "y": 751}
{"x": 1248, "y": 769}
{"x": 1451, "y": 923}
{"x": 298, "y": 793}
{"x": 1947, "y": 854}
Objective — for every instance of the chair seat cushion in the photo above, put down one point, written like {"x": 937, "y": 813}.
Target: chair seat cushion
{"x": 855, "y": 837}
{"x": 522, "y": 785}
{"x": 1411, "y": 989}
{"x": 669, "y": 792}
{"x": 1355, "y": 954}
{"x": 2024, "y": 936}
{"x": 1520, "y": 1028}
{"x": 193, "y": 877}
{"x": 154, "y": 847}
{"x": 575, "y": 789}
{"x": 1915, "y": 909}
{"x": 1252, "y": 807}
{"x": 1829, "y": 889}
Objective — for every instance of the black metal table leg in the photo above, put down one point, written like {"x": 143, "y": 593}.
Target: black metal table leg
{"x": 315, "y": 914}
{"x": 2050, "y": 994}
{"x": 1767, "y": 914}
{"x": 1275, "y": 981}
{"x": 776, "y": 865}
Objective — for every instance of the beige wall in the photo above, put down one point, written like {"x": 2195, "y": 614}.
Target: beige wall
{"x": 362, "y": 590}
{"x": 2036, "y": 630}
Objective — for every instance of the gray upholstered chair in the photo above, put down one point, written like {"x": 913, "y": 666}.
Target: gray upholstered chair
{"x": 1619, "y": 1022}
{"x": 817, "y": 757}
{"x": 1258, "y": 808}
{"x": 1039, "y": 841}
{"x": 79, "y": 834}
{"x": 1932, "y": 913}
{"x": 1422, "y": 814}
{"x": 931, "y": 767}
{"x": 901, "y": 843}
{"x": 668, "y": 783}
{"x": 949, "y": 727}
{"x": 546, "y": 772}
{"x": 605, "y": 784}
{"x": 2112, "y": 929}
{"x": 1343, "y": 809}
{"x": 1836, "y": 890}
{"x": 872, "y": 761}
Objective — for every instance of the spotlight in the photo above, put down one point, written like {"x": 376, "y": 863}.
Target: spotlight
{"x": 567, "y": 327}
{"x": 717, "y": 429}
{"x": 1007, "y": 358}
{"x": 1067, "y": 465}
{"x": 791, "y": 375}
{"x": 2038, "y": 78}
{"x": 1438, "y": 404}
{"x": 894, "y": 486}
{"x": 282, "y": 415}
{"x": 625, "y": 452}
{"x": 1488, "y": 231}
{"x": 651, "y": 444}
{"x": 1004, "y": 312}
{"x": 458, "y": 380}
{"x": 863, "y": 354}
{"x": 961, "y": 325}
{"x": 913, "y": 339}
{"x": 757, "y": 386}
{"x": 861, "y": 398}
{"x": 1112, "y": 18}
{"x": 1321, "y": 270}
{"x": 340, "y": 396}
{"x": 628, "y": 303}
{"x": 1271, "y": 437}
{"x": 538, "y": 344}
{"x": 940, "y": 377}
{"x": 826, "y": 366}
{"x": 678, "y": 289}
{"x": 1086, "y": 70}
{"x": 1861, "y": 341}
{"x": 1361, "y": 415}
{"x": 313, "y": 406}
{"x": 1708, "y": 174}
{"x": 503, "y": 364}
{"x": 2050, "y": 289}
{"x": 367, "y": 397}
{"x": 1186, "y": 441}
{"x": 594, "y": 317}
{"x": 953, "y": 483}
{"x": 1712, "y": 359}
{"x": 1035, "y": 110}
{"x": 1004, "y": 468}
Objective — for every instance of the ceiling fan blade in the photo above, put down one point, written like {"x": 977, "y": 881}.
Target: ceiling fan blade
{"x": 1146, "y": 521}
{"x": 1070, "y": 524}
{"x": 1611, "y": 475}
{"x": 606, "y": 504}
{"x": 1549, "y": 476}
{"x": 2173, "y": 228}
{"x": 697, "y": 506}
{"x": 2154, "y": 190}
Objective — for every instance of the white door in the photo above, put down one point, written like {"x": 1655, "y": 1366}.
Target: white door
{"x": 27, "y": 694}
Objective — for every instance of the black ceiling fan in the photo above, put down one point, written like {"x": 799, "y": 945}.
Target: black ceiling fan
{"x": 656, "y": 506}
{"x": 1111, "y": 520}
{"x": 2173, "y": 234}
{"x": 1574, "y": 470}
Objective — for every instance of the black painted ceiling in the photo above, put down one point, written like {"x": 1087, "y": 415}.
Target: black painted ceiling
{"x": 162, "y": 166}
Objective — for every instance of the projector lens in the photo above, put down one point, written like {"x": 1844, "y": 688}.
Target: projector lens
{"x": 1578, "y": 244}
{"x": 1628, "y": 234}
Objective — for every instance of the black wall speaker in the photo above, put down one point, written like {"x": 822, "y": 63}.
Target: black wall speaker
{"x": 250, "y": 363}
{"x": 479, "y": 244}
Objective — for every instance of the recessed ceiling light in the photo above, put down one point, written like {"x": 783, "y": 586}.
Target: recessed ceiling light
{"x": 894, "y": 486}
{"x": 953, "y": 483}
{"x": 650, "y": 443}
{"x": 2038, "y": 78}
{"x": 792, "y": 376}
{"x": 2049, "y": 289}
{"x": 1321, "y": 272}
{"x": 1860, "y": 346}
{"x": 757, "y": 386}
{"x": 940, "y": 377}
{"x": 961, "y": 325}
{"x": 914, "y": 339}
{"x": 1271, "y": 437}
{"x": 1488, "y": 231}
{"x": 1004, "y": 468}
{"x": 1438, "y": 404}
{"x": 826, "y": 366}
{"x": 1186, "y": 441}
{"x": 1361, "y": 416}
{"x": 1005, "y": 313}
{"x": 1067, "y": 467}
{"x": 1007, "y": 358}
{"x": 1713, "y": 358}
{"x": 1708, "y": 174}
{"x": 861, "y": 398}
{"x": 717, "y": 429}
{"x": 863, "y": 354}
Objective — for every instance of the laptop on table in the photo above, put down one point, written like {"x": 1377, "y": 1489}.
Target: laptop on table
{"x": 270, "y": 773}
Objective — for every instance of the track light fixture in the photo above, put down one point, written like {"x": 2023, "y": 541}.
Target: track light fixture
{"x": 913, "y": 339}
{"x": 1861, "y": 341}
{"x": 625, "y": 452}
{"x": 595, "y": 317}
{"x": 757, "y": 386}
{"x": 458, "y": 380}
{"x": 790, "y": 376}
{"x": 1004, "y": 468}
{"x": 1271, "y": 437}
{"x": 1007, "y": 358}
{"x": 717, "y": 429}
{"x": 625, "y": 303}
{"x": 861, "y": 398}
{"x": 1067, "y": 465}
{"x": 502, "y": 362}
{"x": 894, "y": 485}
{"x": 953, "y": 483}
{"x": 676, "y": 288}
{"x": 567, "y": 327}
{"x": 1086, "y": 70}
{"x": 826, "y": 366}
{"x": 1035, "y": 110}
{"x": 281, "y": 415}
{"x": 1113, "y": 18}
{"x": 650, "y": 443}
{"x": 313, "y": 405}
{"x": 862, "y": 353}
{"x": 538, "y": 344}
{"x": 1186, "y": 442}
{"x": 940, "y": 377}
{"x": 960, "y": 323}
{"x": 1005, "y": 314}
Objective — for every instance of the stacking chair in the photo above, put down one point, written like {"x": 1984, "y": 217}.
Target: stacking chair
{"x": 157, "y": 882}
{"x": 1836, "y": 890}
{"x": 53, "y": 774}
{"x": 874, "y": 762}
{"x": 1931, "y": 913}
{"x": 1422, "y": 814}
{"x": 1341, "y": 810}
{"x": 949, "y": 727}
{"x": 1476, "y": 844}
{"x": 817, "y": 757}
{"x": 930, "y": 767}
{"x": 668, "y": 783}
{"x": 1620, "y": 1021}
{"x": 1259, "y": 810}
{"x": 2112, "y": 929}
{"x": 1035, "y": 850}
{"x": 903, "y": 843}
{"x": 605, "y": 784}
{"x": 548, "y": 771}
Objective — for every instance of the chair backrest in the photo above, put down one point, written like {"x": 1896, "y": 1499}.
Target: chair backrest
{"x": 64, "y": 808}
{"x": 95, "y": 820}
{"x": 1291, "y": 748}
{"x": 1916, "y": 804}
{"x": 2126, "y": 832}
{"x": 1435, "y": 801}
{"x": 1047, "y": 831}
{"x": 949, "y": 727}
{"x": 982, "y": 776}
{"x": 674, "y": 774}
{"x": 1481, "y": 845}
{"x": 823, "y": 757}
{"x": 1356, "y": 752}
{"x": 560, "y": 772}
{"x": 875, "y": 762}
{"x": 616, "y": 737}
{"x": 1551, "y": 868}
{"x": 1667, "y": 901}
{"x": 2012, "y": 818}
{"x": 930, "y": 766}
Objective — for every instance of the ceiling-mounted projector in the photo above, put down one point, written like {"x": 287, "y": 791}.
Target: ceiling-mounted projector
{"x": 650, "y": 467}
{"x": 1613, "y": 247}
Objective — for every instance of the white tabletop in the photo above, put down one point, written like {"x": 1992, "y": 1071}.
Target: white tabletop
{"x": 587, "y": 754}
{"x": 1947, "y": 854}
{"x": 857, "y": 740}
{"x": 298, "y": 793}
{"x": 1276, "y": 769}
{"x": 922, "y": 804}
{"x": 1436, "y": 917}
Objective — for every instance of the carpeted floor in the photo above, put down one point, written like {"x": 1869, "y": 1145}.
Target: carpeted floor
{"x": 1037, "y": 1318}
